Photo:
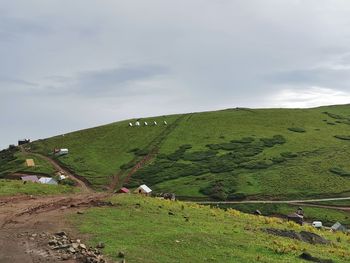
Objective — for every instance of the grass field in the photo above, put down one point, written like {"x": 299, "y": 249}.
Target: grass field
{"x": 14, "y": 187}
{"x": 144, "y": 230}
{"x": 228, "y": 154}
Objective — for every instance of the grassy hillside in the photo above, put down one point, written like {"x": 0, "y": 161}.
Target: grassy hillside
{"x": 13, "y": 161}
{"x": 152, "y": 230}
{"x": 228, "y": 154}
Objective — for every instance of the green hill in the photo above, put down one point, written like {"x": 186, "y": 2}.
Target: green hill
{"x": 227, "y": 154}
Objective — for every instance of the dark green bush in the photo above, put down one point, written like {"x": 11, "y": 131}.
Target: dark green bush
{"x": 270, "y": 142}
{"x": 289, "y": 155}
{"x": 244, "y": 140}
{"x": 297, "y": 129}
{"x": 339, "y": 171}
{"x": 278, "y": 159}
{"x": 342, "y": 137}
{"x": 199, "y": 156}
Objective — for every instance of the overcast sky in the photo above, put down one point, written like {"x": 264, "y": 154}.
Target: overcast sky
{"x": 67, "y": 65}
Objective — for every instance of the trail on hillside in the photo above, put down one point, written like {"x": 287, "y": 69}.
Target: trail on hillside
{"x": 23, "y": 217}
{"x": 124, "y": 176}
{"x": 82, "y": 182}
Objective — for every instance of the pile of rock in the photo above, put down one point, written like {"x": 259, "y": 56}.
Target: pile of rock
{"x": 74, "y": 249}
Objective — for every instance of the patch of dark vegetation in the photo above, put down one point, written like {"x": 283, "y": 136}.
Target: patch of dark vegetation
{"x": 239, "y": 155}
{"x": 305, "y": 236}
{"x": 339, "y": 171}
{"x": 342, "y": 137}
{"x": 339, "y": 118}
{"x": 335, "y": 116}
{"x": 330, "y": 123}
{"x": 297, "y": 129}
{"x": 289, "y": 155}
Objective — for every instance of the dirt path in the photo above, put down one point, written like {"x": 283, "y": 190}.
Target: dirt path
{"x": 81, "y": 182}
{"x": 22, "y": 218}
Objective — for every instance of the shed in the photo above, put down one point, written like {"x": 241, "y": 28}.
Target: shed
{"x": 123, "y": 190}
{"x": 30, "y": 178}
{"x": 62, "y": 151}
{"x": 30, "y": 163}
{"x": 143, "y": 189}
{"x": 23, "y": 141}
{"x": 47, "y": 180}
{"x": 338, "y": 227}
{"x": 299, "y": 219}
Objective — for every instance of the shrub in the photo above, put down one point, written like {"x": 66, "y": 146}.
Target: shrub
{"x": 278, "y": 159}
{"x": 236, "y": 197}
{"x": 289, "y": 155}
{"x": 297, "y": 129}
{"x": 270, "y": 142}
{"x": 244, "y": 140}
{"x": 199, "y": 156}
{"x": 339, "y": 171}
{"x": 342, "y": 137}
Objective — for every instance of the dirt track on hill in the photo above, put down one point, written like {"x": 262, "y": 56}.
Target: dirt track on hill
{"x": 81, "y": 182}
{"x": 22, "y": 217}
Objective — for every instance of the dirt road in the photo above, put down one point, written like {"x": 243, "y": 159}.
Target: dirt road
{"x": 27, "y": 222}
{"x": 81, "y": 181}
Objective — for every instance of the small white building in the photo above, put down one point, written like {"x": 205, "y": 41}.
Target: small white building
{"x": 61, "y": 151}
{"x": 47, "y": 180}
{"x": 143, "y": 189}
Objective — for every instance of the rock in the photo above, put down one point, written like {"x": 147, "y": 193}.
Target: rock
{"x": 61, "y": 233}
{"x": 80, "y": 212}
{"x": 65, "y": 257}
{"x": 305, "y": 236}
{"x": 100, "y": 245}
{"x": 75, "y": 245}
{"x": 121, "y": 254}
{"x": 82, "y": 246}
{"x": 307, "y": 256}
{"x": 52, "y": 242}
{"x": 71, "y": 250}
{"x": 171, "y": 213}
{"x": 34, "y": 235}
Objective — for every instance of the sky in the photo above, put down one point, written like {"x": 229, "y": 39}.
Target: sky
{"x": 67, "y": 65}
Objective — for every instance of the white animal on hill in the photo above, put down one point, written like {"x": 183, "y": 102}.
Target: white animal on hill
{"x": 155, "y": 123}
{"x": 165, "y": 123}
{"x": 137, "y": 123}
{"x": 145, "y": 123}
{"x": 130, "y": 124}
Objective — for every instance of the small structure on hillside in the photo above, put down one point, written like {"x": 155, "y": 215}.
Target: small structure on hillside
{"x": 257, "y": 212}
{"x": 338, "y": 227}
{"x": 30, "y": 178}
{"x": 143, "y": 189}
{"x": 299, "y": 219}
{"x": 47, "y": 180}
{"x": 123, "y": 190}
{"x": 30, "y": 163}
{"x": 60, "y": 152}
{"x": 23, "y": 141}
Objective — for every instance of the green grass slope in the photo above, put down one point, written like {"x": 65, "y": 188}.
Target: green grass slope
{"x": 144, "y": 230}
{"x": 228, "y": 154}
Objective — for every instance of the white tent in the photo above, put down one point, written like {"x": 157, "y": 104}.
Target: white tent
{"x": 143, "y": 189}
{"x": 47, "y": 180}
